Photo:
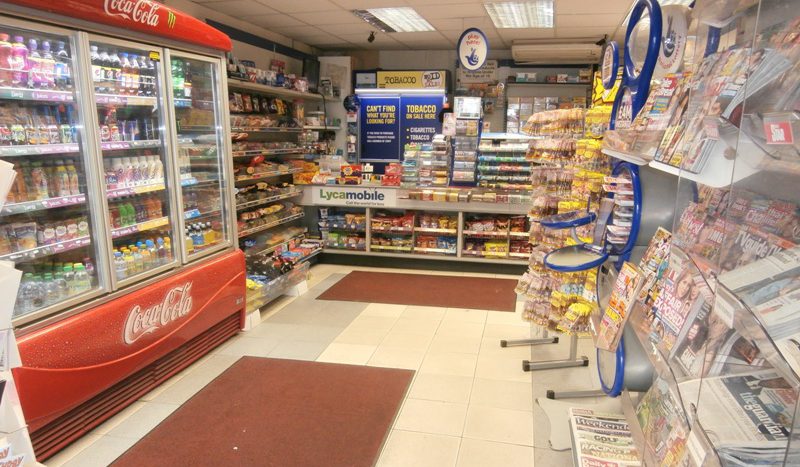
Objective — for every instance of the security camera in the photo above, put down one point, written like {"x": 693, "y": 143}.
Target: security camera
{"x": 371, "y": 37}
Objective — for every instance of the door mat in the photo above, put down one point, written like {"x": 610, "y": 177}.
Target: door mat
{"x": 273, "y": 412}
{"x": 477, "y": 293}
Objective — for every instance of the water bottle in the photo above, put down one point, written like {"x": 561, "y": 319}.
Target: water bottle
{"x": 69, "y": 279}
{"x": 24, "y": 298}
{"x": 61, "y": 283}
{"x": 36, "y": 292}
{"x": 81, "y": 278}
{"x": 120, "y": 268}
{"x": 151, "y": 247}
{"x": 51, "y": 292}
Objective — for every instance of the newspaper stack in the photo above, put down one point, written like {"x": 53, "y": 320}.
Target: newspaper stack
{"x": 602, "y": 439}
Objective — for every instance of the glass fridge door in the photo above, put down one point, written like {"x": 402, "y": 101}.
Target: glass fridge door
{"x": 129, "y": 95}
{"x": 47, "y": 225}
{"x": 201, "y": 147}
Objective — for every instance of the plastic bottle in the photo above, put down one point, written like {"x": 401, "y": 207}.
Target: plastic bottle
{"x": 81, "y": 282}
{"x": 34, "y": 64}
{"x": 26, "y": 294}
{"x": 48, "y": 67}
{"x": 147, "y": 260}
{"x": 98, "y": 73}
{"x": 144, "y": 170}
{"x": 209, "y": 236}
{"x": 61, "y": 179}
{"x": 187, "y": 81}
{"x": 61, "y": 283}
{"x": 39, "y": 179}
{"x": 107, "y": 81}
{"x": 135, "y": 76}
{"x": 63, "y": 69}
{"x": 90, "y": 270}
{"x": 19, "y": 63}
{"x": 119, "y": 172}
{"x": 177, "y": 79}
{"x": 188, "y": 241}
{"x": 162, "y": 251}
{"x": 141, "y": 212}
{"x": 120, "y": 268}
{"x": 128, "y": 173}
{"x": 154, "y": 254}
{"x": 168, "y": 247}
{"x": 113, "y": 211}
{"x": 110, "y": 174}
{"x": 115, "y": 65}
{"x": 136, "y": 174}
{"x": 137, "y": 259}
{"x": 157, "y": 169}
{"x": 123, "y": 85}
{"x": 69, "y": 278}
{"x": 51, "y": 292}
{"x": 38, "y": 296}
{"x": 5, "y": 60}
{"x": 130, "y": 263}
{"x": 74, "y": 180}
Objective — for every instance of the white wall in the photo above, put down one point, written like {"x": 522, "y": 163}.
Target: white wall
{"x": 242, "y": 50}
{"x": 427, "y": 59}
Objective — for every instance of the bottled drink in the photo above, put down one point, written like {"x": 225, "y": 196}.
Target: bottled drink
{"x": 110, "y": 175}
{"x": 157, "y": 169}
{"x": 136, "y": 174}
{"x": 138, "y": 262}
{"x": 81, "y": 282}
{"x": 147, "y": 260}
{"x": 124, "y": 74}
{"x": 187, "y": 81}
{"x": 98, "y": 73}
{"x": 5, "y": 60}
{"x": 61, "y": 283}
{"x": 61, "y": 180}
{"x": 90, "y": 271}
{"x": 108, "y": 73}
{"x": 69, "y": 278}
{"x": 208, "y": 234}
{"x": 30, "y": 296}
{"x": 115, "y": 65}
{"x": 162, "y": 251}
{"x": 177, "y": 79}
{"x": 48, "y": 67}
{"x": 141, "y": 212}
{"x": 63, "y": 69}
{"x": 74, "y": 181}
{"x": 168, "y": 247}
{"x": 51, "y": 292}
{"x": 144, "y": 170}
{"x": 113, "y": 211}
{"x": 133, "y": 76}
{"x": 151, "y": 247}
{"x": 130, "y": 263}
{"x": 34, "y": 64}
{"x": 120, "y": 267}
{"x": 39, "y": 180}
{"x": 188, "y": 241}
{"x": 19, "y": 63}
{"x": 118, "y": 167}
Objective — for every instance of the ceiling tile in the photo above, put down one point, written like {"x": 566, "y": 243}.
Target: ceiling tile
{"x": 414, "y": 3}
{"x": 328, "y": 17}
{"x": 295, "y": 31}
{"x": 576, "y": 7}
{"x": 319, "y": 39}
{"x": 300, "y": 6}
{"x": 240, "y": 8}
{"x": 364, "y": 4}
{"x": 599, "y": 20}
{"x": 443, "y": 24}
{"x": 361, "y": 40}
{"x": 585, "y": 32}
{"x": 495, "y": 41}
{"x": 417, "y": 36}
{"x": 509, "y": 35}
{"x": 447, "y": 11}
{"x": 338, "y": 29}
{"x": 272, "y": 21}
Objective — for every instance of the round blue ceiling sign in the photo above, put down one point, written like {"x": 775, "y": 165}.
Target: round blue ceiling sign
{"x": 472, "y": 49}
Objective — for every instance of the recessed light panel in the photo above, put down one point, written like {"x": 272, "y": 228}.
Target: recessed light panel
{"x": 508, "y": 15}
{"x": 401, "y": 19}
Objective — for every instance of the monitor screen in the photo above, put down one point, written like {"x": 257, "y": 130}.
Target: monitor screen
{"x": 311, "y": 72}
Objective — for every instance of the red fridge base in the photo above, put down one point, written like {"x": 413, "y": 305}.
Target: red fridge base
{"x": 145, "y": 16}
{"x": 74, "y": 360}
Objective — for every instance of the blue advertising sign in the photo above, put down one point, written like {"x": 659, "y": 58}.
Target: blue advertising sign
{"x": 472, "y": 49}
{"x": 419, "y": 118}
{"x": 380, "y": 128}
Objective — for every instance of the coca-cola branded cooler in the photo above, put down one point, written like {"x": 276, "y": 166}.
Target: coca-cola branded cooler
{"x": 112, "y": 113}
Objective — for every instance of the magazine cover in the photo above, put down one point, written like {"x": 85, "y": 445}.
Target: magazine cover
{"x": 626, "y": 288}
{"x": 602, "y": 440}
{"x": 655, "y": 260}
{"x": 747, "y": 244}
{"x": 663, "y": 423}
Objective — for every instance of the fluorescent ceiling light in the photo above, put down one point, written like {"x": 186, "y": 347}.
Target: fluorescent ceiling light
{"x": 535, "y": 14}
{"x": 400, "y": 19}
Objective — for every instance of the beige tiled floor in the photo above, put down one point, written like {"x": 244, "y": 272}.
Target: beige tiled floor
{"x": 470, "y": 403}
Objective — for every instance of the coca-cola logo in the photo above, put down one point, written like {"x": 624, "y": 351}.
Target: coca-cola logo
{"x": 138, "y": 11}
{"x": 176, "y": 304}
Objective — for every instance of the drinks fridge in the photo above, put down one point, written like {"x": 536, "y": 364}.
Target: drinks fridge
{"x": 120, "y": 214}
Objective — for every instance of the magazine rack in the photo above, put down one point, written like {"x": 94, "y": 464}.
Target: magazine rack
{"x": 721, "y": 326}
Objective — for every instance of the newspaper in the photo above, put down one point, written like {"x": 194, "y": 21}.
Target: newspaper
{"x": 602, "y": 440}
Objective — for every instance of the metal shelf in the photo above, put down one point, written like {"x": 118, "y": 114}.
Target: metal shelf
{"x": 265, "y": 175}
{"x": 47, "y": 250}
{"x": 273, "y": 90}
{"x": 261, "y": 228}
{"x": 271, "y": 199}
{"x": 43, "y": 204}
{"x": 140, "y": 227}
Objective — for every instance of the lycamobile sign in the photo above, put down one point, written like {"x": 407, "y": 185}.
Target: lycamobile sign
{"x": 351, "y": 196}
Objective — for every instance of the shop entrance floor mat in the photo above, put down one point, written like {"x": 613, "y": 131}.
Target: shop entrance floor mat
{"x": 477, "y": 293}
{"x": 273, "y": 412}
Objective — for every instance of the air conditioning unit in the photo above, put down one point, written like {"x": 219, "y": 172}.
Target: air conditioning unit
{"x": 540, "y": 54}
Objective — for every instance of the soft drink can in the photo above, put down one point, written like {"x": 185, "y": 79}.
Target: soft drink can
{"x": 132, "y": 130}
{"x": 66, "y": 134}
{"x": 123, "y": 132}
{"x": 105, "y": 133}
{"x": 114, "y": 129}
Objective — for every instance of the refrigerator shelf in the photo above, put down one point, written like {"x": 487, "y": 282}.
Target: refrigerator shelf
{"x": 43, "y": 204}
{"x": 196, "y": 129}
{"x": 270, "y": 199}
{"x": 266, "y": 175}
{"x": 117, "y": 145}
{"x": 250, "y": 252}
{"x": 196, "y": 214}
{"x": 181, "y": 103}
{"x": 268, "y": 152}
{"x": 140, "y": 227}
{"x": 131, "y": 191}
{"x": 261, "y": 228}
{"x": 119, "y": 99}
{"x": 267, "y": 130}
{"x": 38, "y": 149}
{"x": 35, "y": 95}
{"x": 47, "y": 250}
